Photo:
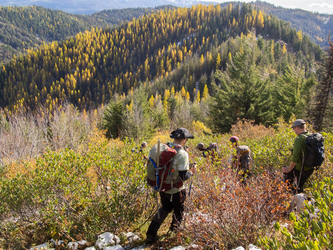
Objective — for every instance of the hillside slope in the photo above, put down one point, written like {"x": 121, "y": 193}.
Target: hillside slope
{"x": 316, "y": 26}
{"x": 23, "y": 28}
{"x": 88, "y": 69}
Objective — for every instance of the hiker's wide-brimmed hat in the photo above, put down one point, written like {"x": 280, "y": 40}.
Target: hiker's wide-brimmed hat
{"x": 181, "y": 133}
{"x": 298, "y": 122}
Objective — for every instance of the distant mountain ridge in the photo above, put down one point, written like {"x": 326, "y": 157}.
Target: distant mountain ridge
{"x": 18, "y": 31}
{"x": 90, "y": 7}
{"x": 316, "y": 26}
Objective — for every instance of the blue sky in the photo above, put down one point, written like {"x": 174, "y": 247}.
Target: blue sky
{"x": 321, "y": 6}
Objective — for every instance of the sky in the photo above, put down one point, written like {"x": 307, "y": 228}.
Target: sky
{"x": 321, "y": 6}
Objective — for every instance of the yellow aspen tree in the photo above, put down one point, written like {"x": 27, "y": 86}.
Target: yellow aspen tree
{"x": 151, "y": 101}
{"x": 218, "y": 8}
{"x": 299, "y": 36}
{"x": 230, "y": 8}
{"x": 202, "y": 60}
{"x": 260, "y": 19}
{"x": 198, "y": 96}
{"x": 166, "y": 97}
{"x": 229, "y": 57}
{"x": 130, "y": 107}
{"x": 180, "y": 55}
{"x": 218, "y": 61}
{"x": 210, "y": 57}
{"x": 187, "y": 96}
{"x": 205, "y": 93}
{"x": 173, "y": 91}
{"x": 284, "y": 49}
{"x": 183, "y": 92}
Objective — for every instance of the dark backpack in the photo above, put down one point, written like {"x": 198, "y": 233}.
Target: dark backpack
{"x": 163, "y": 177}
{"x": 314, "y": 153}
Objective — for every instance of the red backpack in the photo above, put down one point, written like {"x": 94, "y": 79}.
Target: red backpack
{"x": 161, "y": 175}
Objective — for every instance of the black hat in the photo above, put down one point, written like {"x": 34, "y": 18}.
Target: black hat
{"x": 181, "y": 133}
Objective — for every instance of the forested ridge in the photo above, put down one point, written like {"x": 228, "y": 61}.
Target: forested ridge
{"x": 88, "y": 69}
{"x": 316, "y": 26}
{"x": 24, "y": 28}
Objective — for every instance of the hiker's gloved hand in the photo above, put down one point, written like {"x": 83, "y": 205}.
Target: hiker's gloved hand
{"x": 193, "y": 167}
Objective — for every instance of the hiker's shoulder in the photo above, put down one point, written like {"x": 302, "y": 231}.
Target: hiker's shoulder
{"x": 176, "y": 146}
{"x": 301, "y": 137}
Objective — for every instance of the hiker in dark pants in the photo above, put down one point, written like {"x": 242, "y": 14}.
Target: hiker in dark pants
{"x": 174, "y": 198}
{"x": 240, "y": 158}
{"x": 296, "y": 169}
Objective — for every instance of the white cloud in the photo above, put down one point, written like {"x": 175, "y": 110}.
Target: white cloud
{"x": 321, "y": 5}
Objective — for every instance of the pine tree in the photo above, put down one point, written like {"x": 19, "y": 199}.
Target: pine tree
{"x": 113, "y": 119}
{"x": 323, "y": 106}
{"x": 242, "y": 94}
{"x": 292, "y": 93}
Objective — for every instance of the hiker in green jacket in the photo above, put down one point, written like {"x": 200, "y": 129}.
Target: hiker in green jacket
{"x": 174, "y": 199}
{"x": 296, "y": 172}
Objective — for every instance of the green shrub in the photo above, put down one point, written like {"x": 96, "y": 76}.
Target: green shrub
{"x": 311, "y": 229}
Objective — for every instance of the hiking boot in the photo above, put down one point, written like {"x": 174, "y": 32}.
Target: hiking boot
{"x": 173, "y": 229}
{"x": 151, "y": 239}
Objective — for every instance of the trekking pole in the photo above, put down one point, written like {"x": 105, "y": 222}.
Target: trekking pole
{"x": 300, "y": 173}
{"x": 157, "y": 180}
{"x": 189, "y": 191}
{"x": 217, "y": 149}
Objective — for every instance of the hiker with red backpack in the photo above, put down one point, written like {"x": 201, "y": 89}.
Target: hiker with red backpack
{"x": 307, "y": 154}
{"x": 240, "y": 158}
{"x": 166, "y": 175}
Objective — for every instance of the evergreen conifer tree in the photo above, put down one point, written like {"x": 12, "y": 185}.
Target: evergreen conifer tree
{"x": 242, "y": 93}
{"x": 323, "y": 104}
{"x": 113, "y": 119}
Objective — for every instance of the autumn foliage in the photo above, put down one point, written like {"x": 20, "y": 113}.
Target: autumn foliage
{"x": 99, "y": 185}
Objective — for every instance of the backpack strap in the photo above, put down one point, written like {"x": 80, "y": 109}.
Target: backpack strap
{"x": 178, "y": 184}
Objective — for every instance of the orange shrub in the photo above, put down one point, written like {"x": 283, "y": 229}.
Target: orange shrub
{"x": 225, "y": 213}
{"x": 246, "y": 129}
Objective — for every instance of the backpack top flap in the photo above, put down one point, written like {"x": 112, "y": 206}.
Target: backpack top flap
{"x": 166, "y": 154}
{"x": 314, "y": 153}
{"x": 243, "y": 150}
